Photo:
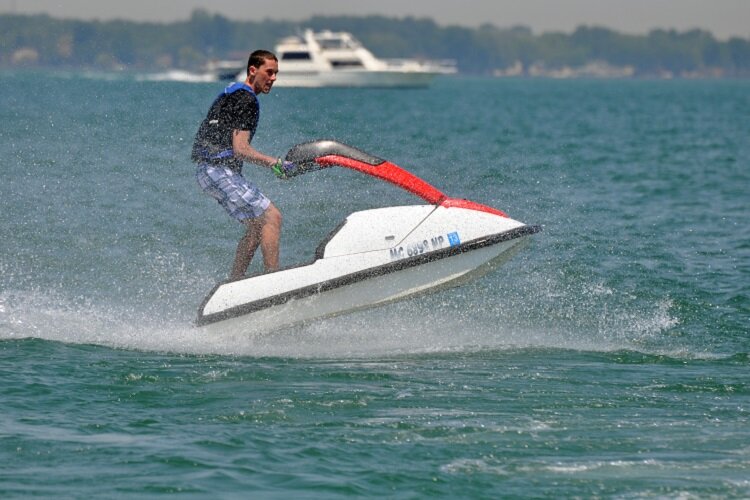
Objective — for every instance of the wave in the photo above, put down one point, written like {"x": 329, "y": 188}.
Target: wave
{"x": 177, "y": 76}
{"x": 464, "y": 320}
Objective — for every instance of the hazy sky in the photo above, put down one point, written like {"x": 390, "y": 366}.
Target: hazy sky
{"x": 724, "y": 18}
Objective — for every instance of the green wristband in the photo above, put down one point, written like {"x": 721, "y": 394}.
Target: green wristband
{"x": 276, "y": 167}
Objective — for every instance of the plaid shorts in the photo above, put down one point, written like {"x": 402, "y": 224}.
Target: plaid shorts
{"x": 240, "y": 198}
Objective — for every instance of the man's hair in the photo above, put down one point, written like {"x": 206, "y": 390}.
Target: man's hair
{"x": 258, "y": 57}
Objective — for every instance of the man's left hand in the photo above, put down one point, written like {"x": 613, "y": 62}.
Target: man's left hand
{"x": 284, "y": 169}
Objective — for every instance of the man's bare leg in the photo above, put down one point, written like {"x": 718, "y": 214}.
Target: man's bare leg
{"x": 269, "y": 238}
{"x": 246, "y": 248}
{"x": 264, "y": 231}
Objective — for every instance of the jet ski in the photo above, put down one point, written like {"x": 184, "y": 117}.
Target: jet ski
{"x": 374, "y": 256}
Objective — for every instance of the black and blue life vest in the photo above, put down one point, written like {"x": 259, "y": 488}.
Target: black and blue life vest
{"x": 213, "y": 142}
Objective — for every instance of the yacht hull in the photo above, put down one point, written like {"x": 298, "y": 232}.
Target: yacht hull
{"x": 345, "y": 78}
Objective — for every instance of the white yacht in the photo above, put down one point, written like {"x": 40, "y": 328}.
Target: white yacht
{"x": 337, "y": 59}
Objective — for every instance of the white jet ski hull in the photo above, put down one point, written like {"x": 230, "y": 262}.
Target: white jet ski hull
{"x": 376, "y": 291}
{"x": 225, "y": 311}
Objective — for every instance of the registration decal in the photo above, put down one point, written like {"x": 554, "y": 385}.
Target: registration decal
{"x": 419, "y": 247}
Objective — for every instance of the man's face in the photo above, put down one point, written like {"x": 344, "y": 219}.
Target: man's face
{"x": 262, "y": 78}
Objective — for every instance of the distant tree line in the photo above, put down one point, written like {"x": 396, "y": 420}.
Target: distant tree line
{"x": 43, "y": 41}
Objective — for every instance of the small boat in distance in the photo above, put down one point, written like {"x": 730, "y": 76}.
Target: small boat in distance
{"x": 213, "y": 71}
{"x": 226, "y": 69}
{"x": 337, "y": 59}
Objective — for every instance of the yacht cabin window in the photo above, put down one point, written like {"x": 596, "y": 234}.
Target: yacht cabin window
{"x": 296, "y": 55}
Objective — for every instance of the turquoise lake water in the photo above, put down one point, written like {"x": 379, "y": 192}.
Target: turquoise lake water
{"x": 610, "y": 358}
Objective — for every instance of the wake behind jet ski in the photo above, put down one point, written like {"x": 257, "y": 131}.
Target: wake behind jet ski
{"x": 374, "y": 257}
